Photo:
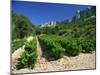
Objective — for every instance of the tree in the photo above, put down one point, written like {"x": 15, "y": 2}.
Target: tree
{"x": 21, "y": 26}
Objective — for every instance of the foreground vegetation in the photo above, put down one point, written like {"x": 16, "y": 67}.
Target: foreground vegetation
{"x": 58, "y": 46}
{"x": 29, "y": 56}
{"x": 18, "y": 43}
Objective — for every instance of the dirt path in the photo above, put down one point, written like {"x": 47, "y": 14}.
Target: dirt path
{"x": 39, "y": 50}
{"x": 41, "y": 62}
{"x": 83, "y": 61}
{"x": 16, "y": 55}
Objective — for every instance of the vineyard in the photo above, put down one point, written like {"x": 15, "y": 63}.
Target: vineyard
{"x": 55, "y": 47}
{"x": 58, "y": 45}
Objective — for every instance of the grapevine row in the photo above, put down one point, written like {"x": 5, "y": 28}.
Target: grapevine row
{"x": 29, "y": 56}
{"x": 58, "y": 46}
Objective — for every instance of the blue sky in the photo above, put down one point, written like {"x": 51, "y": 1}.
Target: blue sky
{"x": 40, "y": 13}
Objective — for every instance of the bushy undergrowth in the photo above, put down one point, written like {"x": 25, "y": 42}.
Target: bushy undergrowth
{"x": 88, "y": 45}
{"x": 71, "y": 46}
{"x": 59, "y": 45}
{"x": 17, "y": 44}
{"x": 29, "y": 56}
{"x": 54, "y": 48}
{"x": 57, "y": 52}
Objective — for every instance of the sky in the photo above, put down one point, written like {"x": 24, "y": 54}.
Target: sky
{"x": 39, "y": 13}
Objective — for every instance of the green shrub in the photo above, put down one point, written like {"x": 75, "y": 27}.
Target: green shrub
{"x": 73, "y": 50}
{"x": 88, "y": 45}
{"x": 71, "y": 46}
{"x": 54, "y": 48}
{"x": 57, "y": 52}
{"x": 29, "y": 56}
{"x": 17, "y": 44}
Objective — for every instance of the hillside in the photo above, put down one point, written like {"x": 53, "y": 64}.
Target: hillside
{"x": 21, "y": 26}
{"x": 83, "y": 24}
